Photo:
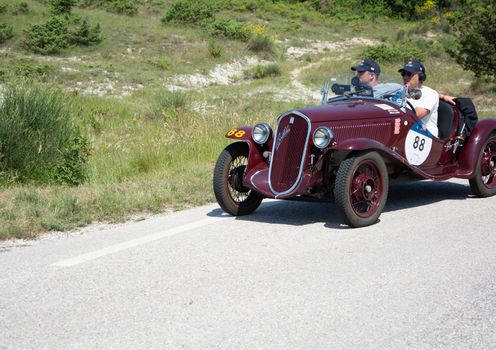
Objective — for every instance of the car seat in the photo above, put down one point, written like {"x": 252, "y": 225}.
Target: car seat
{"x": 445, "y": 118}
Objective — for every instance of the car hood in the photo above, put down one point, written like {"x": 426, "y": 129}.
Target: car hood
{"x": 351, "y": 109}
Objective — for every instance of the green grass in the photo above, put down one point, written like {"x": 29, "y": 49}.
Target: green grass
{"x": 155, "y": 150}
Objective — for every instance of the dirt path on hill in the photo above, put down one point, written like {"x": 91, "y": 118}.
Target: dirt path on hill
{"x": 232, "y": 73}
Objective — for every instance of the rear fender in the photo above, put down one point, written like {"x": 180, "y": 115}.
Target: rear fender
{"x": 240, "y": 133}
{"x": 469, "y": 154}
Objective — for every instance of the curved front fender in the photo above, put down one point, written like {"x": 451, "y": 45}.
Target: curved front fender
{"x": 362, "y": 144}
{"x": 469, "y": 153}
{"x": 240, "y": 133}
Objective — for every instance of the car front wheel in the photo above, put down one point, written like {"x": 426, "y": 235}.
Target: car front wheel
{"x": 483, "y": 184}
{"x": 232, "y": 196}
{"x": 361, "y": 189}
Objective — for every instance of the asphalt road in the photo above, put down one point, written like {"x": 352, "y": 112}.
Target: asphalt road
{"x": 289, "y": 276}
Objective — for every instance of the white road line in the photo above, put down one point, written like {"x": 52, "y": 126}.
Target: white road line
{"x": 135, "y": 242}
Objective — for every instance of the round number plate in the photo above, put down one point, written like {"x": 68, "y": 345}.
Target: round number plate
{"x": 418, "y": 144}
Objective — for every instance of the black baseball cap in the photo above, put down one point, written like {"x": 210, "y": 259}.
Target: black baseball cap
{"x": 413, "y": 67}
{"x": 368, "y": 65}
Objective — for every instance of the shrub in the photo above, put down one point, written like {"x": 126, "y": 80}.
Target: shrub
{"x": 163, "y": 63}
{"x": 56, "y": 35}
{"x": 124, "y": 7}
{"x": 261, "y": 44}
{"x": 85, "y": 35}
{"x": 6, "y": 32}
{"x": 227, "y": 28}
{"x": 168, "y": 105}
{"x": 3, "y": 8}
{"x": 475, "y": 47}
{"x": 61, "y": 7}
{"x": 21, "y": 8}
{"x": 171, "y": 101}
{"x": 264, "y": 71}
{"x": 214, "y": 49}
{"x": 188, "y": 12}
{"x": 399, "y": 52}
{"x": 28, "y": 69}
{"x": 48, "y": 38}
{"x": 259, "y": 41}
{"x": 39, "y": 140}
{"x": 70, "y": 169}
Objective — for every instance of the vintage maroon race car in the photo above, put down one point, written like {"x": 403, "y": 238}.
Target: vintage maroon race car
{"x": 346, "y": 150}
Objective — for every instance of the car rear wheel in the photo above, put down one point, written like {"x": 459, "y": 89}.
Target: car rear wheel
{"x": 232, "y": 196}
{"x": 361, "y": 189}
{"x": 483, "y": 184}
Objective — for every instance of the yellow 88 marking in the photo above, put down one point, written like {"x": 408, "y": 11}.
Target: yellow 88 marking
{"x": 236, "y": 133}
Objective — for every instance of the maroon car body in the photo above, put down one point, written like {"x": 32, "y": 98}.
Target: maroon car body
{"x": 370, "y": 141}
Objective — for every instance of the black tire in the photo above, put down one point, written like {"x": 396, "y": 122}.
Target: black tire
{"x": 361, "y": 189}
{"x": 483, "y": 184}
{"x": 232, "y": 196}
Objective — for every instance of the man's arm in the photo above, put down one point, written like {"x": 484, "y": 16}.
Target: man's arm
{"x": 421, "y": 112}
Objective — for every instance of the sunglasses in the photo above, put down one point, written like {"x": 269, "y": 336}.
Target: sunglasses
{"x": 408, "y": 74}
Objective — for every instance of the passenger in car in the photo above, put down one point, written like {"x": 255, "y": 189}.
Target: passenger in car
{"x": 414, "y": 75}
{"x": 368, "y": 72}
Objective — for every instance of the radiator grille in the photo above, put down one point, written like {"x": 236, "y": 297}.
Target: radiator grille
{"x": 288, "y": 153}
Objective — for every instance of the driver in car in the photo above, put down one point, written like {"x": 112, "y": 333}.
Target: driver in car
{"x": 414, "y": 75}
{"x": 368, "y": 72}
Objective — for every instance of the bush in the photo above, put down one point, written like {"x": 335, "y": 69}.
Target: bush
{"x": 123, "y": 7}
{"x": 163, "y": 63}
{"x": 84, "y": 35}
{"x": 397, "y": 53}
{"x": 475, "y": 47}
{"x": 56, "y": 35}
{"x": 3, "y": 8}
{"x": 61, "y": 7}
{"x": 28, "y": 69}
{"x": 264, "y": 71}
{"x": 214, "y": 49}
{"x": 171, "y": 101}
{"x": 227, "y": 28}
{"x": 259, "y": 41}
{"x": 6, "y": 32}
{"x": 48, "y": 38}
{"x": 168, "y": 105}
{"x": 261, "y": 44}
{"x": 39, "y": 140}
{"x": 21, "y": 8}
{"x": 189, "y": 12}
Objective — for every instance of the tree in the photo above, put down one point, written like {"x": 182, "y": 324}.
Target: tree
{"x": 475, "y": 31}
{"x": 48, "y": 38}
{"x": 62, "y": 7}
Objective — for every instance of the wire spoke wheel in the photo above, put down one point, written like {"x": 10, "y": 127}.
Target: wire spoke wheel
{"x": 233, "y": 197}
{"x": 366, "y": 189}
{"x": 361, "y": 189}
{"x": 238, "y": 192}
{"x": 483, "y": 184}
{"x": 488, "y": 168}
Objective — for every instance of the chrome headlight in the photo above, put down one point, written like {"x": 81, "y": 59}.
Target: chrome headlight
{"x": 261, "y": 133}
{"x": 322, "y": 136}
